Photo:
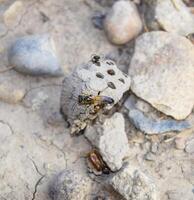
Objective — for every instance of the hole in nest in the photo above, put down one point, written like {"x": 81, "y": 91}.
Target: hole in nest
{"x": 125, "y": 75}
{"x": 99, "y": 75}
{"x": 122, "y": 80}
{"x": 111, "y": 85}
{"x": 111, "y": 72}
{"x": 109, "y": 62}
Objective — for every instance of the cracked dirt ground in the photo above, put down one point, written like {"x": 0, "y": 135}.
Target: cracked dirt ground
{"x": 33, "y": 147}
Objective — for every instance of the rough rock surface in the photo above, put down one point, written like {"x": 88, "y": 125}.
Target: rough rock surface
{"x": 111, "y": 140}
{"x": 134, "y": 184}
{"x": 122, "y": 22}
{"x": 70, "y": 185}
{"x": 90, "y": 79}
{"x": 174, "y": 16}
{"x": 153, "y": 126}
{"x": 35, "y": 55}
{"x": 162, "y": 71}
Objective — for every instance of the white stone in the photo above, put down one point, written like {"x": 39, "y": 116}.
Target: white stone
{"x": 111, "y": 140}
{"x": 122, "y": 22}
{"x": 162, "y": 71}
{"x": 174, "y": 16}
{"x": 190, "y": 146}
{"x": 134, "y": 184}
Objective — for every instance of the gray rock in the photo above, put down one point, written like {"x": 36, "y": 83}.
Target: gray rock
{"x": 122, "y": 22}
{"x": 70, "y": 185}
{"x": 162, "y": 71}
{"x": 111, "y": 140}
{"x": 174, "y": 16}
{"x": 133, "y": 184}
{"x": 98, "y": 19}
{"x": 153, "y": 126}
{"x": 35, "y": 55}
{"x": 190, "y": 146}
{"x": 90, "y": 79}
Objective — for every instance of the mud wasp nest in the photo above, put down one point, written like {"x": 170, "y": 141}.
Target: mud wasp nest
{"x": 91, "y": 89}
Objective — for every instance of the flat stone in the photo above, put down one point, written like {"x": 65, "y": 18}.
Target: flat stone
{"x": 13, "y": 13}
{"x": 174, "y": 16}
{"x": 162, "y": 71}
{"x": 35, "y": 55}
{"x": 122, "y": 22}
{"x": 70, "y": 185}
{"x": 155, "y": 126}
{"x": 132, "y": 183}
{"x": 111, "y": 140}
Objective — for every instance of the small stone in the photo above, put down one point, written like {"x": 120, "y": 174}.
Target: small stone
{"x": 174, "y": 16}
{"x": 70, "y": 185}
{"x": 162, "y": 70}
{"x": 12, "y": 14}
{"x": 98, "y": 20}
{"x": 180, "y": 143}
{"x": 190, "y": 146}
{"x": 181, "y": 139}
{"x": 184, "y": 193}
{"x": 156, "y": 126}
{"x": 150, "y": 156}
{"x": 154, "y": 147}
{"x": 133, "y": 183}
{"x": 11, "y": 95}
{"x": 35, "y": 55}
{"x": 111, "y": 140}
{"x": 122, "y": 22}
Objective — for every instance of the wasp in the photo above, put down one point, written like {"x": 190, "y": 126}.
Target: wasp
{"x": 97, "y": 162}
{"x": 98, "y": 101}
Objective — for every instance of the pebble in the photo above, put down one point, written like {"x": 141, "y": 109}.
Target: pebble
{"x": 154, "y": 147}
{"x": 13, "y": 13}
{"x": 182, "y": 138}
{"x": 70, "y": 185}
{"x": 133, "y": 183}
{"x": 190, "y": 146}
{"x": 162, "y": 71}
{"x": 155, "y": 126}
{"x": 180, "y": 143}
{"x": 174, "y": 17}
{"x": 150, "y": 156}
{"x": 10, "y": 94}
{"x": 35, "y": 55}
{"x": 122, "y": 23}
{"x": 111, "y": 140}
